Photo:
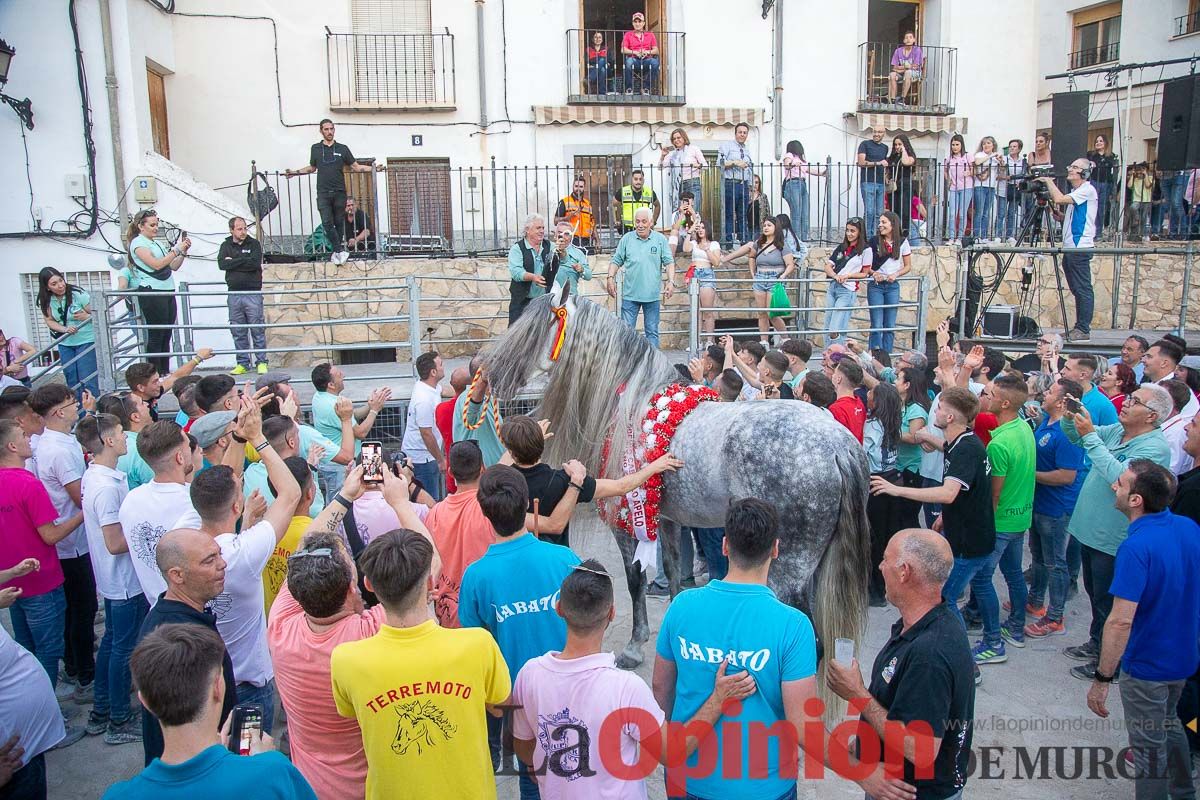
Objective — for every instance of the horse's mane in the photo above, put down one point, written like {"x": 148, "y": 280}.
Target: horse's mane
{"x": 600, "y": 356}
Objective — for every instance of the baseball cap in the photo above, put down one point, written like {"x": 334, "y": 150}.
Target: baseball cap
{"x": 639, "y": 15}
{"x": 274, "y": 376}
{"x": 1191, "y": 362}
{"x": 211, "y": 427}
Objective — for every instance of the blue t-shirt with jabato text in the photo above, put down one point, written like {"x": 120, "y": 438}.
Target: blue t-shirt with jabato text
{"x": 216, "y": 772}
{"x": 747, "y": 624}
{"x": 1055, "y": 451}
{"x": 1156, "y": 568}
{"x": 512, "y": 592}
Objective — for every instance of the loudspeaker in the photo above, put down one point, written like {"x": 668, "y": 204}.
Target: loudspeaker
{"x": 1068, "y": 127}
{"x": 1179, "y": 127}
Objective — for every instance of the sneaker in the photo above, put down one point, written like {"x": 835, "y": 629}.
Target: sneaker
{"x": 1083, "y": 652}
{"x": 1014, "y": 637}
{"x": 989, "y": 653}
{"x": 1087, "y": 672}
{"x": 973, "y": 623}
{"x": 82, "y": 695}
{"x": 125, "y": 732}
{"x": 240, "y": 369}
{"x": 629, "y": 91}
{"x": 73, "y": 735}
{"x": 1010, "y": 241}
{"x": 1073, "y": 590}
{"x": 263, "y": 368}
{"x": 1030, "y": 609}
{"x": 656, "y": 591}
{"x": 978, "y": 675}
{"x": 96, "y": 724}
{"x": 1045, "y": 627}
{"x": 345, "y": 256}
{"x": 65, "y": 689}
{"x": 1076, "y": 335}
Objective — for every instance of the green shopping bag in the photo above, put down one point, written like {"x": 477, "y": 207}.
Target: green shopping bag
{"x": 780, "y": 300}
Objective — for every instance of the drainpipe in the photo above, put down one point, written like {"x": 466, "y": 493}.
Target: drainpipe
{"x": 777, "y": 100}
{"x": 483, "y": 117}
{"x": 114, "y": 121}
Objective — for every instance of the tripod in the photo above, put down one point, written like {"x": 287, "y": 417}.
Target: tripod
{"x": 1038, "y": 228}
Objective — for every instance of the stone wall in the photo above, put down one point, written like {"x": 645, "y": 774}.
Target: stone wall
{"x": 464, "y": 301}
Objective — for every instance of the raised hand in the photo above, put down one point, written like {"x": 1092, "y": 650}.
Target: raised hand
{"x": 256, "y": 508}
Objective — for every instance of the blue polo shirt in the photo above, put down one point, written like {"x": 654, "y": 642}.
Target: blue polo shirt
{"x": 1055, "y": 451}
{"x": 1156, "y": 568}
{"x": 512, "y": 592}
{"x": 757, "y": 632}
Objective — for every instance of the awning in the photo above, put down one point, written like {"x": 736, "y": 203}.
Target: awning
{"x": 923, "y": 123}
{"x": 664, "y": 115}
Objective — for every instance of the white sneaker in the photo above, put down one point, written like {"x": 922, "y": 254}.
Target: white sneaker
{"x": 1010, "y": 241}
{"x": 343, "y": 256}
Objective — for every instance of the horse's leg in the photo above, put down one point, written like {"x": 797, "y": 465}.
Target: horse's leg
{"x": 632, "y": 657}
{"x": 668, "y": 538}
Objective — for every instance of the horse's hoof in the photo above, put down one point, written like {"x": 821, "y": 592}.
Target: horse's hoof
{"x": 630, "y": 659}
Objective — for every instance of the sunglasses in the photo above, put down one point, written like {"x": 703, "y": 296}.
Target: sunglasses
{"x": 65, "y": 406}
{"x": 319, "y": 552}
{"x": 855, "y": 221}
{"x": 142, "y": 216}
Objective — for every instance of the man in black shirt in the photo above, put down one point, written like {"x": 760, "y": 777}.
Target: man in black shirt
{"x": 922, "y": 676}
{"x": 360, "y": 236}
{"x": 327, "y": 158}
{"x": 191, "y": 563}
{"x": 240, "y": 258}
{"x": 525, "y": 441}
{"x": 872, "y": 158}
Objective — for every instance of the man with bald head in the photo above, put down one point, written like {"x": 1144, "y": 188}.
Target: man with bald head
{"x": 192, "y": 567}
{"x": 443, "y": 416}
{"x": 924, "y": 672}
{"x": 1078, "y": 231}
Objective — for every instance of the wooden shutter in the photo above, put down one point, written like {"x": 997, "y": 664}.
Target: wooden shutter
{"x": 158, "y": 113}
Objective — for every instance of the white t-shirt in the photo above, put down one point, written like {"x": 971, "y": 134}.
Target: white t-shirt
{"x": 989, "y": 166}
{"x": 60, "y": 462}
{"x": 31, "y": 462}
{"x": 239, "y": 609}
{"x": 933, "y": 465}
{"x": 890, "y": 266}
{"x": 104, "y": 489}
{"x": 147, "y": 513}
{"x": 421, "y": 407}
{"x": 1079, "y": 218}
{"x": 27, "y": 704}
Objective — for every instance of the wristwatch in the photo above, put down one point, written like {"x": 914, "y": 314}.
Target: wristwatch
{"x": 1100, "y": 677}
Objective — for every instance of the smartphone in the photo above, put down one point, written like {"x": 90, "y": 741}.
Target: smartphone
{"x": 182, "y": 235}
{"x": 843, "y": 651}
{"x": 1073, "y": 405}
{"x": 246, "y": 727}
{"x": 372, "y": 461}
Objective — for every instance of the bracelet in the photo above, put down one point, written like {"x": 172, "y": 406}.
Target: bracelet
{"x": 342, "y": 501}
{"x": 576, "y": 486}
{"x": 262, "y": 446}
{"x": 197, "y": 360}
{"x": 239, "y": 439}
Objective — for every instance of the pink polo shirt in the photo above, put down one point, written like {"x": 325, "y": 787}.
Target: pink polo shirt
{"x": 638, "y": 42}
{"x": 24, "y": 507}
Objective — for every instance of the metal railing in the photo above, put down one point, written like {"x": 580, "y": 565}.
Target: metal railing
{"x": 601, "y": 72}
{"x": 932, "y": 93}
{"x": 1188, "y": 23}
{"x": 387, "y": 71}
{"x": 1091, "y": 56}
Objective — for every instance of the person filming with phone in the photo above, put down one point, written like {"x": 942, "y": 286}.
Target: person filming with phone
{"x": 1078, "y": 231}
{"x": 177, "y": 671}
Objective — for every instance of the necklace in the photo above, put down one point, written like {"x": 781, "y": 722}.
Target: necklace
{"x": 488, "y": 399}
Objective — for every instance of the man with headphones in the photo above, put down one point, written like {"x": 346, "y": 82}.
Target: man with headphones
{"x": 1078, "y": 231}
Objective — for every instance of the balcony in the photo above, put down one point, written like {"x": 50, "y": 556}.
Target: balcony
{"x": 933, "y": 93}
{"x": 1188, "y": 23}
{"x": 390, "y": 71}
{"x": 1091, "y": 56}
{"x": 598, "y": 72}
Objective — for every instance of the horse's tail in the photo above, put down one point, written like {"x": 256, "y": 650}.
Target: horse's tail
{"x": 838, "y": 597}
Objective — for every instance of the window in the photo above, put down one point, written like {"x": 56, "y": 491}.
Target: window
{"x": 158, "y": 113}
{"x": 1097, "y": 36}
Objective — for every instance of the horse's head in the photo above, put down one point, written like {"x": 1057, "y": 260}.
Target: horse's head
{"x": 534, "y": 343}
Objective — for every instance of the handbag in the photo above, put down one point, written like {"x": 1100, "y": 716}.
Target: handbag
{"x": 780, "y": 300}
{"x": 891, "y": 186}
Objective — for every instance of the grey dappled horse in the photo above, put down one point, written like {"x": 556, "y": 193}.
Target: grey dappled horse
{"x": 788, "y": 452}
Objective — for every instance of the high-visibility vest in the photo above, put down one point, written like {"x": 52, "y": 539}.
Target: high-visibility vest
{"x": 630, "y": 204}
{"x": 579, "y": 214}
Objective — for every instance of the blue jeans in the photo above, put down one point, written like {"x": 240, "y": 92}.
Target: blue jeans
{"x": 687, "y": 560}
{"x": 710, "y": 547}
{"x": 963, "y": 572}
{"x": 629, "y": 315}
{"x": 430, "y": 476}
{"x": 878, "y": 296}
{"x": 1173, "y": 189}
{"x": 795, "y": 194}
{"x": 872, "y": 197}
{"x": 1006, "y": 217}
{"x": 957, "y": 201}
{"x": 982, "y": 225}
{"x": 1007, "y": 555}
{"x": 640, "y": 67}
{"x": 737, "y": 211}
{"x": 839, "y": 301}
{"x": 82, "y": 374}
{"x": 332, "y": 476}
{"x": 1050, "y": 563}
{"x": 264, "y": 695}
{"x": 1074, "y": 560}
{"x": 38, "y": 623}
{"x": 1102, "y": 193}
{"x": 1078, "y": 269}
{"x": 122, "y": 623}
{"x": 597, "y": 76}
{"x": 526, "y": 783}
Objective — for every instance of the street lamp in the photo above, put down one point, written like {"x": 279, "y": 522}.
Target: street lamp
{"x": 24, "y": 108}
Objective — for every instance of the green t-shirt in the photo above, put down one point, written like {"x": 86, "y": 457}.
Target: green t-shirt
{"x": 327, "y": 422}
{"x": 643, "y": 260}
{"x": 908, "y": 457}
{"x": 1013, "y": 455}
{"x": 144, "y": 280}
{"x": 79, "y": 300}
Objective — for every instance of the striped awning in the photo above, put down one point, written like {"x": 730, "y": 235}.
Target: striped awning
{"x": 665, "y": 115}
{"x": 923, "y": 123}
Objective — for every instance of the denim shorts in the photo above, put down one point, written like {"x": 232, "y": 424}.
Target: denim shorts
{"x": 706, "y": 277}
{"x": 765, "y": 279}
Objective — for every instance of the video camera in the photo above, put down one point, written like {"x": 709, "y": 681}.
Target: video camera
{"x": 1030, "y": 183}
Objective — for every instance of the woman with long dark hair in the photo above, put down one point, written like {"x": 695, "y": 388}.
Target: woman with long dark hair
{"x": 67, "y": 311}
{"x": 900, "y": 180}
{"x": 960, "y": 185}
{"x": 771, "y": 259}
{"x": 913, "y": 386}
{"x": 881, "y": 439}
{"x": 849, "y": 263}
{"x": 705, "y": 254}
{"x": 891, "y": 259}
{"x": 154, "y": 267}
{"x": 796, "y": 171}
{"x": 13, "y": 352}
{"x": 758, "y": 202}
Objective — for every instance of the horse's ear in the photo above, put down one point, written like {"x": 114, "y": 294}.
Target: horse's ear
{"x": 562, "y": 297}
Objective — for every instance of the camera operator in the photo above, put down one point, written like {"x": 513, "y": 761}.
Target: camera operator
{"x": 1078, "y": 231}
